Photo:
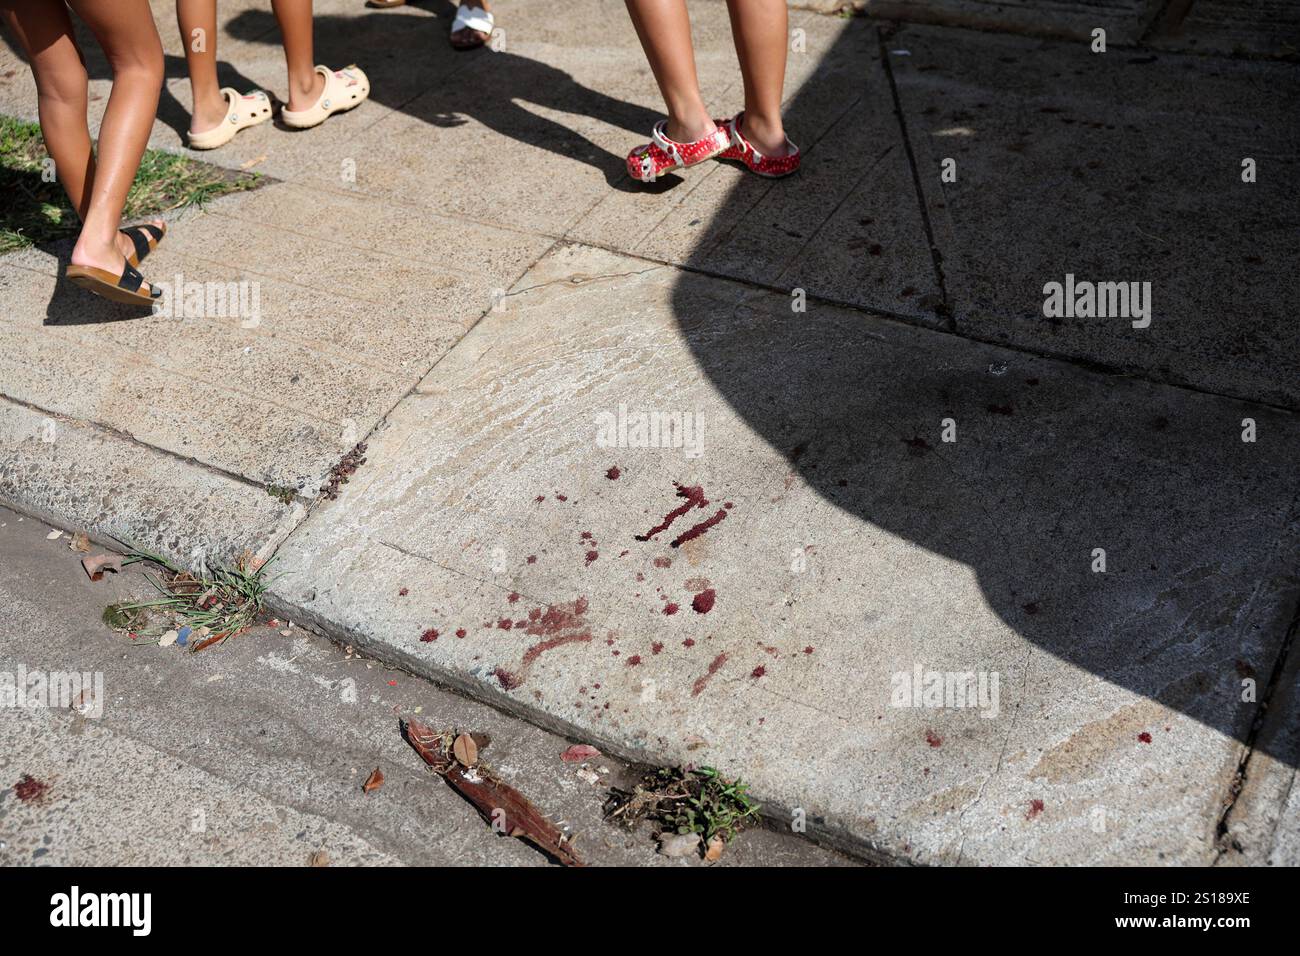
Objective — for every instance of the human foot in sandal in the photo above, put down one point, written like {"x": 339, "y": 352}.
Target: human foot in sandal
{"x": 473, "y": 25}
{"x": 102, "y": 268}
{"x": 342, "y": 90}
{"x": 779, "y": 157}
{"x": 662, "y": 155}
{"x": 242, "y": 111}
{"x": 136, "y": 242}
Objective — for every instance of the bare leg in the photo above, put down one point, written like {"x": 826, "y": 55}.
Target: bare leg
{"x": 761, "y": 31}
{"x": 665, "y": 31}
{"x": 305, "y": 84}
{"x": 45, "y": 32}
{"x": 197, "y": 20}
{"x": 126, "y": 31}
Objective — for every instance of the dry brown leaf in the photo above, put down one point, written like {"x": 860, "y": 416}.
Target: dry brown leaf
{"x": 465, "y": 750}
{"x": 579, "y": 752}
{"x": 319, "y": 858}
{"x": 714, "y": 852}
{"x": 374, "y": 781}
{"x": 96, "y": 566}
{"x": 79, "y": 542}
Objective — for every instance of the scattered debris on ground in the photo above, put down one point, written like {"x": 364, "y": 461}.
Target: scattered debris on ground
{"x": 342, "y": 473}
{"x": 579, "y": 752}
{"x": 374, "y": 781}
{"x": 455, "y": 757}
{"x": 694, "y": 804}
{"x": 97, "y": 565}
{"x": 193, "y": 611}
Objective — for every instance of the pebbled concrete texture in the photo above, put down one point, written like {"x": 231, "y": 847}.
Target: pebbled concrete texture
{"x": 255, "y": 754}
{"x": 858, "y": 546}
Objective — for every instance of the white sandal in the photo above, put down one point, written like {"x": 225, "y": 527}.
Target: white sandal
{"x": 476, "y": 19}
{"x": 345, "y": 89}
{"x": 246, "y": 110}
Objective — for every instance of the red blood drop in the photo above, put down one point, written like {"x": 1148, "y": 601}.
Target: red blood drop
{"x": 703, "y": 602}
{"x": 1144, "y": 737}
{"x": 671, "y": 609}
{"x": 430, "y": 635}
{"x": 613, "y": 473}
{"x": 758, "y": 671}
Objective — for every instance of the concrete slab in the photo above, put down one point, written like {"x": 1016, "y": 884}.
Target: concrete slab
{"x": 858, "y": 546}
{"x": 84, "y": 477}
{"x": 256, "y": 754}
{"x": 1114, "y": 167}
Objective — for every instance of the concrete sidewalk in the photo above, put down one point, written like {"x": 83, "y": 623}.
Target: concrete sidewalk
{"x": 916, "y": 469}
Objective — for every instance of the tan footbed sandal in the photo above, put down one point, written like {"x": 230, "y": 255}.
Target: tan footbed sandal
{"x": 124, "y": 288}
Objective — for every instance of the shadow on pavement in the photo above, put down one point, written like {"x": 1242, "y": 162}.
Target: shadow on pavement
{"x": 1050, "y": 464}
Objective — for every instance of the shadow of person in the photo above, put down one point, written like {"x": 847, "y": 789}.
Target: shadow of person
{"x": 1116, "y": 524}
{"x": 414, "y": 70}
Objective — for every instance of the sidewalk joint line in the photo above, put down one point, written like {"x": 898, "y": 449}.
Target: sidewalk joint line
{"x": 935, "y": 255}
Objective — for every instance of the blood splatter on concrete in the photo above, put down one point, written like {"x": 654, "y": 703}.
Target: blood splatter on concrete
{"x": 702, "y": 603}
{"x": 697, "y": 530}
{"x": 1035, "y": 808}
{"x": 28, "y": 788}
{"x": 933, "y": 739}
{"x": 694, "y": 496}
{"x": 702, "y": 682}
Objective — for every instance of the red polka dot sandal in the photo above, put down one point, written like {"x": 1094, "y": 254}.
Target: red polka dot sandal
{"x": 661, "y": 155}
{"x": 742, "y": 150}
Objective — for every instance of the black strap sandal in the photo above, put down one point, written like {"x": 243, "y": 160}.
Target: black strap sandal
{"x": 145, "y": 237}
{"x": 124, "y": 288}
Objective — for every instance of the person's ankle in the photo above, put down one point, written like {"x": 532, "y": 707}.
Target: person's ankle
{"x": 209, "y": 113}
{"x": 690, "y": 128}
{"x": 766, "y": 133}
{"x": 304, "y": 92}
{"x": 97, "y": 253}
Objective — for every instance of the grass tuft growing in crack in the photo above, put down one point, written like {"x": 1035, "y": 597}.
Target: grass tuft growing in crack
{"x": 686, "y": 800}
{"x": 214, "y": 606}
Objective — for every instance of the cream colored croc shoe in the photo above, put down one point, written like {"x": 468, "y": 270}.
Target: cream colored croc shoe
{"x": 344, "y": 89}
{"x": 246, "y": 110}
